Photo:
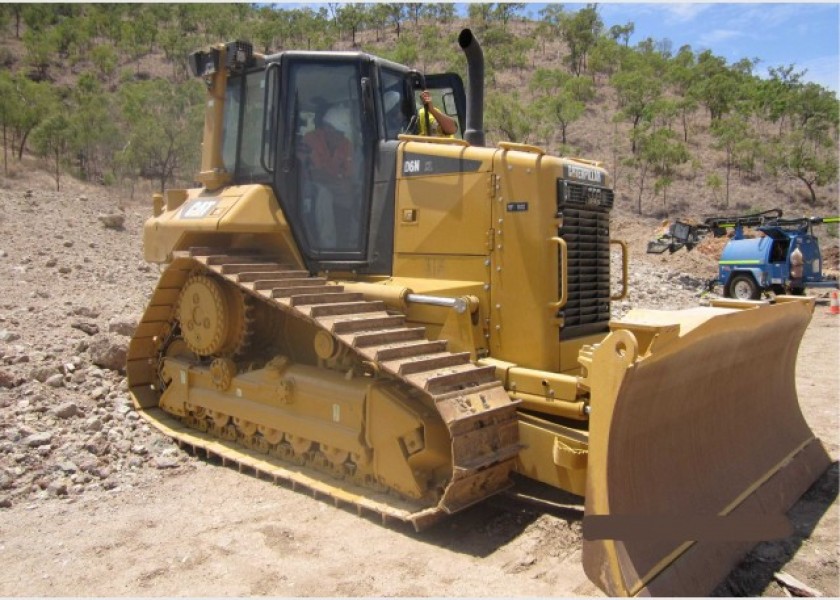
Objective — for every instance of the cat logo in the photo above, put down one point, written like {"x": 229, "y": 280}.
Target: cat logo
{"x": 576, "y": 172}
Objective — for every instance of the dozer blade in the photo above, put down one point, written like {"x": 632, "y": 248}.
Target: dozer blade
{"x": 697, "y": 445}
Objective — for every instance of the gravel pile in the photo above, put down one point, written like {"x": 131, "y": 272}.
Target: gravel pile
{"x": 74, "y": 287}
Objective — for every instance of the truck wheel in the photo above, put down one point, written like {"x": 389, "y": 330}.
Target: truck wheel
{"x": 743, "y": 287}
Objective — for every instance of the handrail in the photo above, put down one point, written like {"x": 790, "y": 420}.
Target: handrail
{"x": 521, "y": 147}
{"x": 564, "y": 269}
{"x": 624, "y": 270}
{"x": 585, "y": 161}
{"x": 405, "y": 137}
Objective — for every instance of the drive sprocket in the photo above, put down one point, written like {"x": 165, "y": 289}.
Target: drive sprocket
{"x": 214, "y": 317}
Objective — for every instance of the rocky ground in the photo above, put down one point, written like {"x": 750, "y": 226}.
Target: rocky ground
{"x": 83, "y": 477}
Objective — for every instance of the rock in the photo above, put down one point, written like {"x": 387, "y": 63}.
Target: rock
{"x": 27, "y": 194}
{"x": 109, "y": 352}
{"x": 5, "y": 502}
{"x": 51, "y": 263}
{"x": 97, "y": 445}
{"x": 85, "y": 311}
{"x": 43, "y": 372}
{"x": 8, "y": 336}
{"x": 93, "y": 424}
{"x": 58, "y": 487}
{"x": 66, "y": 410}
{"x": 165, "y": 462}
{"x": 86, "y": 326}
{"x": 64, "y": 270}
{"x": 124, "y": 327}
{"x": 68, "y": 466}
{"x": 7, "y": 380}
{"x": 38, "y": 439}
{"x": 112, "y": 221}
{"x": 55, "y": 381}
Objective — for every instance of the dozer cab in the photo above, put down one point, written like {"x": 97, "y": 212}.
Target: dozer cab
{"x": 403, "y": 333}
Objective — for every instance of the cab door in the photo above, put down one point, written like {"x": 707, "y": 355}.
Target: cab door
{"x": 325, "y": 157}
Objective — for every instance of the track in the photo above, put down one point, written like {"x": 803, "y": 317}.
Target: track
{"x": 474, "y": 406}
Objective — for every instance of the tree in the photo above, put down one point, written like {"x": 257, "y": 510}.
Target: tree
{"x": 560, "y": 98}
{"x": 623, "y": 32}
{"x": 580, "y": 31}
{"x": 506, "y": 114}
{"x": 659, "y": 153}
{"x": 34, "y": 102}
{"x": 505, "y": 11}
{"x": 814, "y": 162}
{"x": 396, "y": 12}
{"x": 480, "y": 15}
{"x": 164, "y": 124}
{"x": 91, "y": 120}
{"x": 604, "y": 58}
{"x": 552, "y": 16}
{"x": 40, "y": 50}
{"x": 438, "y": 12}
{"x": 715, "y": 85}
{"x": 7, "y": 113}
{"x": 51, "y": 139}
{"x": 351, "y": 17}
{"x": 105, "y": 60}
{"x": 637, "y": 90}
{"x": 378, "y": 18}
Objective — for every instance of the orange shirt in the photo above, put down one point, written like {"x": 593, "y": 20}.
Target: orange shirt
{"x": 330, "y": 151}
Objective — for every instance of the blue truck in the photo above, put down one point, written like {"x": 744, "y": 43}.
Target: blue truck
{"x": 751, "y": 266}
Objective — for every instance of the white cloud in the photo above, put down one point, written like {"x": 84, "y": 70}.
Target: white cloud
{"x": 716, "y": 36}
{"x": 682, "y": 12}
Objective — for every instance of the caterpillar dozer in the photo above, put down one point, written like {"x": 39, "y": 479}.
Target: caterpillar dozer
{"x": 404, "y": 331}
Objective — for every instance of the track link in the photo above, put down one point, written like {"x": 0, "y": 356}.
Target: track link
{"x": 476, "y": 409}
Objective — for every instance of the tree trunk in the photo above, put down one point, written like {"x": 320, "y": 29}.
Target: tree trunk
{"x": 728, "y": 171}
{"x": 23, "y": 143}
{"x": 810, "y": 187}
{"x": 57, "y": 170}
{"x": 633, "y": 135}
{"x": 641, "y": 187}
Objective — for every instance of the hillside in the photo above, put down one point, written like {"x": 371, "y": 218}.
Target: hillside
{"x": 117, "y": 78}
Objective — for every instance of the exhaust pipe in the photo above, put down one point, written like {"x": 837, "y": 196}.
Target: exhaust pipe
{"x": 474, "y": 133}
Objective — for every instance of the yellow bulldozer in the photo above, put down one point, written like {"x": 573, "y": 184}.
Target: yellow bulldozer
{"x": 405, "y": 328}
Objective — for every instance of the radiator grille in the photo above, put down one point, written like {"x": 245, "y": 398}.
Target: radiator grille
{"x": 586, "y": 230}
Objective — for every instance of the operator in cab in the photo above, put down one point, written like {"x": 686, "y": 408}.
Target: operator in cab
{"x": 439, "y": 124}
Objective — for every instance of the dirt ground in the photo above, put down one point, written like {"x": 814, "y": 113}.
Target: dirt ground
{"x": 196, "y": 528}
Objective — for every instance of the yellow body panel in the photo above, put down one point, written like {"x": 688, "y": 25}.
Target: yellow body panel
{"x": 232, "y": 216}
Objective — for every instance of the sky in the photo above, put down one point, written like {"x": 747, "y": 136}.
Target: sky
{"x": 779, "y": 34}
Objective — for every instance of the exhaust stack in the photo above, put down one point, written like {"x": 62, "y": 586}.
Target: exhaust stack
{"x": 474, "y": 133}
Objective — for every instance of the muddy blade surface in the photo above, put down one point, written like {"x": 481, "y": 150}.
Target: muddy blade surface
{"x": 707, "y": 425}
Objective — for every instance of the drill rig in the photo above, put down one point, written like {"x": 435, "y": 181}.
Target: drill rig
{"x": 751, "y": 266}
